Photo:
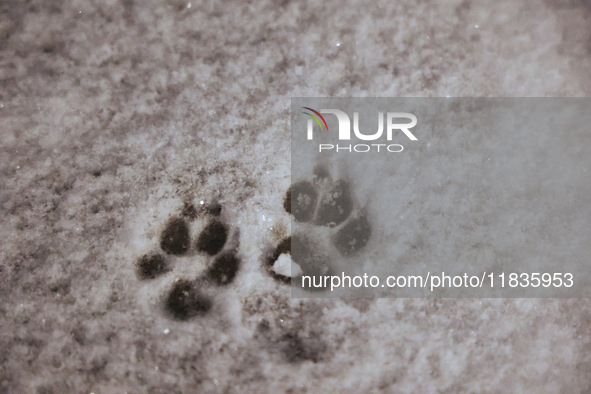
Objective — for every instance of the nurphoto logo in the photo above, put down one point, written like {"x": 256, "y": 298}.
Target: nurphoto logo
{"x": 344, "y": 130}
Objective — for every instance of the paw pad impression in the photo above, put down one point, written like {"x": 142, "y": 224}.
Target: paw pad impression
{"x": 324, "y": 204}
{"x": 190, "y": 298}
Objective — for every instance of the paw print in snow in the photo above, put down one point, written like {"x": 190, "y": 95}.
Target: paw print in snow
{"x": 188, "y": 298}
{"x": 323, "y": 209}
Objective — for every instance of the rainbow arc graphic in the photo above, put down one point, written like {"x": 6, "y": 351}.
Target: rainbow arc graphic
{"x": 316, "y": 118}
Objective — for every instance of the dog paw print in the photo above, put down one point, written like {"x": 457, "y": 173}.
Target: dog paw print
{"x": 215, "y": 243}
{"x": 327, "y": 220}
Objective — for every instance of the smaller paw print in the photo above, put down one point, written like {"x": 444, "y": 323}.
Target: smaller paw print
{"x": 327, "y": 220}
{"x": 215, "y": 243}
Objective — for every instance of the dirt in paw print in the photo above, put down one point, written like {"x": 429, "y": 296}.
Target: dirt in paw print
{"x": 328, "y": 227}
{"x": 215, "y": 243}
